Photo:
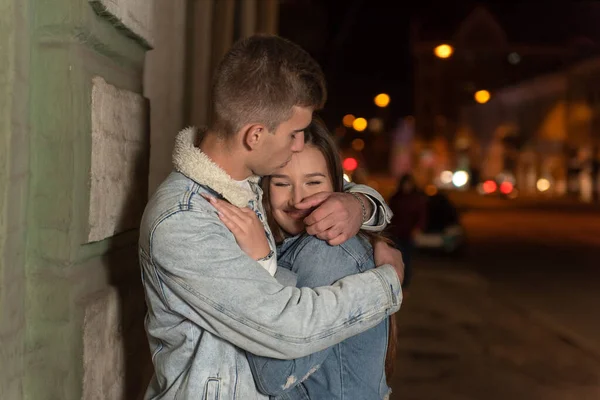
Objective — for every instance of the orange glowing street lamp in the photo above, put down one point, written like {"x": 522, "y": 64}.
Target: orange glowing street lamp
{"x": 482, "y": 96}
{"x": 359, "y": 124}
{"x": 348, "y": 120}
{"x": 382, "y": 100}
{"x": 443, "y": 51}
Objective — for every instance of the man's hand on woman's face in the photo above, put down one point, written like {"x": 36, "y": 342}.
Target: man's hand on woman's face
{"x": 337, "y": 216}
{"x": 247, "y": 229}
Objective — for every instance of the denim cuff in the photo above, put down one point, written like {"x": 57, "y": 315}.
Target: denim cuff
{"x": 391, "y": 284}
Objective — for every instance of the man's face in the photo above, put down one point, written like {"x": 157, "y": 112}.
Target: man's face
{"x": 277, "y": 149}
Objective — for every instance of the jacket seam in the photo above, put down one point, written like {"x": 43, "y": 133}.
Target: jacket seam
{"x": 185, "y": 205}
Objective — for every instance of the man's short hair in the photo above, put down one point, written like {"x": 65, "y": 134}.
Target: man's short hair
{"x": 260, "y": 79}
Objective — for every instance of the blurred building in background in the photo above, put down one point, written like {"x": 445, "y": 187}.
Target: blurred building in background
{"x": 483, "y": 89}
{"x": 544, "y": 132}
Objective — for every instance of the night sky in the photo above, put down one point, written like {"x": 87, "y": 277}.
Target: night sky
{"x": 364, "y": 45}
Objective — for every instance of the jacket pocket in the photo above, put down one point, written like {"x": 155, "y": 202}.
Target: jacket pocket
{"x": 212, "y": 389}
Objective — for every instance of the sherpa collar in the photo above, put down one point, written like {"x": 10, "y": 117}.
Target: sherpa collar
{"x": 193, "y": 163}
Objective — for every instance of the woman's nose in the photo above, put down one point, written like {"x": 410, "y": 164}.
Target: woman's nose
{"x": 297, "y": 196}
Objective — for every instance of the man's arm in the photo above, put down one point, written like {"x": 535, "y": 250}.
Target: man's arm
{"x": 203, "y": 274}
{"x": 380, "y": 215}
{"x": 273, "y": 376}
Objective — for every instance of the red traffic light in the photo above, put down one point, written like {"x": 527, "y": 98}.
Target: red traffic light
{"x": 350, "y": 164}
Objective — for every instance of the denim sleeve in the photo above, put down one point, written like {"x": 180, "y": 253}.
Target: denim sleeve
{"x": 382, "y": 212}
{"x": 273, "y": 376}
{"x": 204, "y": 275}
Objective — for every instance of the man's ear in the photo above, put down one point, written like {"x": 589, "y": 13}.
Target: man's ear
{"x": 254, "y": 135}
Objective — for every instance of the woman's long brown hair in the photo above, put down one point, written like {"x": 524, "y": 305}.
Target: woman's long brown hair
{"x": 319, "y": 137}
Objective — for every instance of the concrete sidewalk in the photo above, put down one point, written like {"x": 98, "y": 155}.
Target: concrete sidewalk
{"x": 457, "y": 341}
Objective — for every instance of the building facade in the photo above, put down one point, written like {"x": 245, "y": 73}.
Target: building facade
{"x": 544, "y": 131}
{"x": 482, "y": 57}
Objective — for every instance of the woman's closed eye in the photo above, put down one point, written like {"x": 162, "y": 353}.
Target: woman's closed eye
{"x": 281, "y": 184}
{"x": 314, "y": 183}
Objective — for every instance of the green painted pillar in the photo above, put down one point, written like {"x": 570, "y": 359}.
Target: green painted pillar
{"x": 74, "y": 146}
{"x": 14, "y": 185}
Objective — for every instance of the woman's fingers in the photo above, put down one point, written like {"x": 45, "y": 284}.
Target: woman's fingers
{"x": 237, "y": 218}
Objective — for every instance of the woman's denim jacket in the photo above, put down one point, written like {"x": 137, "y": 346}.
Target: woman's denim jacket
{"x": 208, "y": 302}
{"x": 352, "y": 369}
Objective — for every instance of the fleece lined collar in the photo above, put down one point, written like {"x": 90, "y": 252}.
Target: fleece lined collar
{"x": 193, "y": 163}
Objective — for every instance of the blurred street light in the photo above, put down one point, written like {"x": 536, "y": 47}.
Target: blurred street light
{"x": 348, "y": 120}
{"x": 482, "y": 96}
{"x": 446, "y": 177}
{"x": 382, "y": 100}
{"x": 358, "y": 144}
{"x": 443, "y": 51}
{"x": 460, "y": 178}
{"x": 543, "y": 184}
{"x": 350, "y": 164}
{"x": 359, "y": 124}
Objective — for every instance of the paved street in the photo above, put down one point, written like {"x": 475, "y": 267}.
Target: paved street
{"x": 515, "y": 317}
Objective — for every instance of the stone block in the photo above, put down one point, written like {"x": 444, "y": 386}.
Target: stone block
{"x": 134, "y": 15}
{"x": 119, "y": 160}
{"x": 103, "y": 349}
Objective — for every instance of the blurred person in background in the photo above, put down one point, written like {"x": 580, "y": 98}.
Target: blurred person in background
{"x": 409, "y": 206}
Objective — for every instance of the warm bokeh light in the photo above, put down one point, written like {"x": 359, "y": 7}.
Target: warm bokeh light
{"x": 348, "y": 120}
{"x": 506, "y": 187}
{"x": 446, "y": 177}
{"x": 350, "y": 164}
{"x": 431, "y": 190}
{"x": 358, "y": 144}
{"x": 382, "y": 100}
{"x": 489, "y": 187}
{"x": 482, "y": 96}
{"x": 543, "y": 184}
{"x": 347, "y": 178}
{"x": 359, "y": 124}
{"x": 443, "y": 51}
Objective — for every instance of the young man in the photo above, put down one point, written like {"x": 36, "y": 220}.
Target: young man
{"x": 207, "y": 300}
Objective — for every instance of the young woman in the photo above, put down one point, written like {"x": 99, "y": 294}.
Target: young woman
{"x": 357, "y": 367}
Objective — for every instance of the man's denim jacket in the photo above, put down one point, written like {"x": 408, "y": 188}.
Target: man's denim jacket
{"x": 208, "y": 302}
{"x": 352, "y": 369}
